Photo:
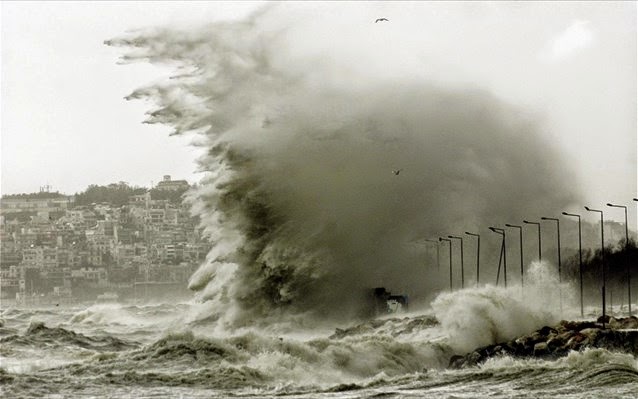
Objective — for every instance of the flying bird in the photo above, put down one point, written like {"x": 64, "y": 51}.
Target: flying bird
{"x": 396, "y": 172}
{"x": 381, "y": 19}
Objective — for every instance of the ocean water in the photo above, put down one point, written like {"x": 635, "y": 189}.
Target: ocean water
{"x": 302, "y": 126}
{"x": 162, "y": 351}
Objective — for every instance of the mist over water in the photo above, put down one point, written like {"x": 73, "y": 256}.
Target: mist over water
{"x": 300, "y": 199}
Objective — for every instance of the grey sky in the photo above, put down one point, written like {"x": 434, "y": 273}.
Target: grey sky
{"x": 64, "y": 119}
{"x": 65, "y": 123}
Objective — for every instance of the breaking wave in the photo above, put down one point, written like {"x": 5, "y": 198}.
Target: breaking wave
{"x": 299, "y": 198}
{"x": 477, "y": 317}
{"x": 39, "y": 335}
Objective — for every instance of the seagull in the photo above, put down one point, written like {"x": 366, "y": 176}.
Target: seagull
{"x": 381, "y": 19}
{"x": 396, "y": 172}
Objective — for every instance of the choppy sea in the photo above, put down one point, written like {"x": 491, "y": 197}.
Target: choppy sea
{"x": 150, "y": 351}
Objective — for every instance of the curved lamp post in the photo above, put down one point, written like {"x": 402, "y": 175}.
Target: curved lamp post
{"x": 503, "y": 255}
{"x": 558, "y": 235}
{"x": 450, "y": 242}
{"x": 628, "y": 271}
{"x": 580, "y": 260}
{"x": 602, "y": 254}
{"x": 462, "y": 267}
{"x": 540, "y": 250}
{"x": 478, "y": 253}
{"x": 520, "y": 233}
{"x": 560, "y": 280}
{"x": 626, "y": 228}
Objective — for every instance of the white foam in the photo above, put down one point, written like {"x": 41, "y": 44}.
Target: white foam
{"x": 476, "y": 317}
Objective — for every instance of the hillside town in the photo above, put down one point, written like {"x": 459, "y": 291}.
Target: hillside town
{"x": 58, "y": 249}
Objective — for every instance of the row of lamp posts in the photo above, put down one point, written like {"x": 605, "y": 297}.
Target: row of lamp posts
{"x": 503, "y": 254}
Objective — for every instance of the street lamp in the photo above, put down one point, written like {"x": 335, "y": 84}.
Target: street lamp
{"x": 539, "y": 237}
{"x": 626, "y": 228}
{"x": 602, "y": 254}
{"x": 628, "y": 271}
{"x": 437, "y": 253}
{"x": 462, "y": 267}
{"x": 560, "y": 291}
{"x": 503, "y": 256}
{"x": 478, "y": 253}
{"x": 450, "y": 242}
{"x": 558, "y": 235}
{"x": 520, "y": 233}
{"x": 580, "y": 260}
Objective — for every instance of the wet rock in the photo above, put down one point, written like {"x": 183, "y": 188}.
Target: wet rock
{"x": 626, "y": 341}
{"x": 613, "y": 323}
{"x": 456, "y": 362}
{"x": 575, "y": 341}
{"x": 474, "y": 358}
{"x": 537, "y": 337}
{"x": 603, "y": 319}
{"x": 560, "y": 340}
{"x": 513, "y": 348}
{"x": 541, "y": 349}
{"x": 546, "y": 330}
{"x": 629, "y": 323}
{"x": 590, "y": 333}
{"x": 577, "y": 325}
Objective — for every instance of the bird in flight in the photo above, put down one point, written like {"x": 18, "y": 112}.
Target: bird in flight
{"x": 396, "y": 172}
{"x": 381, "y": 19}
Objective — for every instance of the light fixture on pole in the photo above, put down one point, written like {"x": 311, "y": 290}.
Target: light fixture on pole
{"x": 449, "y": 242}
{"x": 602, "y": 255}
{"x": 478, "y": 253}
{"x": 580, "y": 260}
{"x": 560, "y": 280}
{"x": 520, "y": 233}
{"x": 462, "y": 266}
{"x": 628, "y": 269}
{"x": 503, "y": 256}
{"x": 540, "y": 250}
{"x": 558, "y": 236}
{"x": 626, "y": 226}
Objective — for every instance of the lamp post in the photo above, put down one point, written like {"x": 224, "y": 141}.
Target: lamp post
{"x": 626, "y": 228}
{"x": 558, "y": 235}
{"x": 478, "y": 253}
{"x": 580, "y": 260}
{"x": 520, "y": 234}
{"x": 628, "y": 270}
{"x": 462, "y": 267}
{"x": 602, "y": 254}
{"x": 560, "y": 280}
{"x": 437, "y": 253}
{"x": 540, "y": 250}
{"x": 503, "y": 255}
{"x": 450, "y": 242}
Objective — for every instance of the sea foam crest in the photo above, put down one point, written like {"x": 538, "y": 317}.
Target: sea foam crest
{"x": 476, "y": 317}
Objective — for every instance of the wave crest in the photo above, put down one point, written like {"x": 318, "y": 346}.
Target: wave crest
{"x": 299, "y": 200}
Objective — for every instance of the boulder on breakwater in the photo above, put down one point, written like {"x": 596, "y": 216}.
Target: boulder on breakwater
{"x": 553, "y": 342}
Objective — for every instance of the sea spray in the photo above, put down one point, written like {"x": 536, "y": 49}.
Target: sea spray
{"x": 300, "y": 203}
{"x": 405, "y": 354}
{"x": 476, "y": 317}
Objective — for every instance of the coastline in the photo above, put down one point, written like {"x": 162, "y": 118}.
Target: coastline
{"x": 553, "y": 342}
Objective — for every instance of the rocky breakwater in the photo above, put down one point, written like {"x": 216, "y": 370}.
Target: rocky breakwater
{"x": 552, "y": 342}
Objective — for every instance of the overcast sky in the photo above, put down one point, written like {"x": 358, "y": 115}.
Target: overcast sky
{"x": 65, "y": 122}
